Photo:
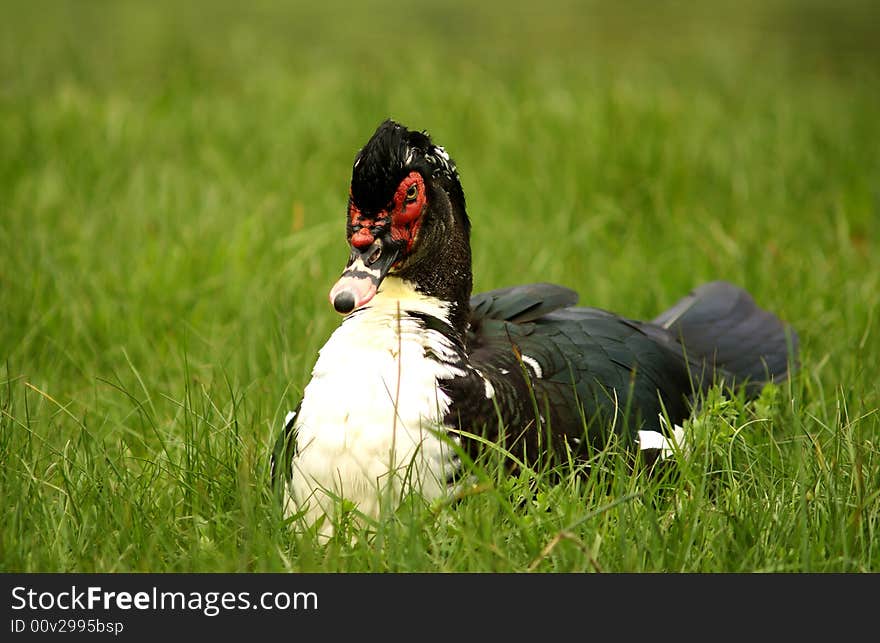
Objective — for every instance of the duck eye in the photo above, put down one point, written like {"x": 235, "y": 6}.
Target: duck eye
{"x": 411, "y": 193}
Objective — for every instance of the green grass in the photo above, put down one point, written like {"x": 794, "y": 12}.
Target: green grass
{"x": 172, "y": 191}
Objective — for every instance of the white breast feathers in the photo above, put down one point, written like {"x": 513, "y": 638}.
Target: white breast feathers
{"x": 370, "y": 426}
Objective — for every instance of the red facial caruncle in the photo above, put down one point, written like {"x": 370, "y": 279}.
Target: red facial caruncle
{"x": 363, "y": 227}
{"x": 405, "y": 212}
{"x": 378, "y": 243}
{"x": 409, "y": 202}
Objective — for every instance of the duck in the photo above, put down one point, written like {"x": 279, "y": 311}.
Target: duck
{"x": 422, "y": 371}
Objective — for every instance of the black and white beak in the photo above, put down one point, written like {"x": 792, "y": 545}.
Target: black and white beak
{"x": 360, "y": 280}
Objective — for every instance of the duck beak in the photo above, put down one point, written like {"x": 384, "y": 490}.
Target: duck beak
{"x": 361, "y": 278}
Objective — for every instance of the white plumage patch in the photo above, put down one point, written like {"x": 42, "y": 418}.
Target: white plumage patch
{"x": 666, "y": 445}
{"x": 532, "y": 363}
{"x": 490, "y": 390}
{"x": 371, "y": 414}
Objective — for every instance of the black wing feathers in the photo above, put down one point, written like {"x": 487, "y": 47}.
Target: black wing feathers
{"x": 722, "y": 323}
{"x": 521, "y": 303}
{"x": 598, "y": 366}
{"x": 281, "y": 462}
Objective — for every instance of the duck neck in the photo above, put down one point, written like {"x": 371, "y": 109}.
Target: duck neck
{"x": 444, "y": 274}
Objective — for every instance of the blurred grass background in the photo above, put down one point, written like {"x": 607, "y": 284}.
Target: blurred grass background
{"x": 173, "y": 178}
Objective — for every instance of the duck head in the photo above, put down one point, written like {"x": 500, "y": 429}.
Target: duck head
{"x": 406, "y": 217}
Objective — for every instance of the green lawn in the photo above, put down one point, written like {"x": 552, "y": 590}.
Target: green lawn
{"x": 173, "y": 182}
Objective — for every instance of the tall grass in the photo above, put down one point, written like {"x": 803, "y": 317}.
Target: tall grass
{"x": 172, "y": 189}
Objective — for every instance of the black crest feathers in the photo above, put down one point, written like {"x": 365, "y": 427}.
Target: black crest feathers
{"x": 391, "y": 153}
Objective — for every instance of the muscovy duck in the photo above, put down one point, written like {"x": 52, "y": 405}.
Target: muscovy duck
{"x": 418, "y": 364}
